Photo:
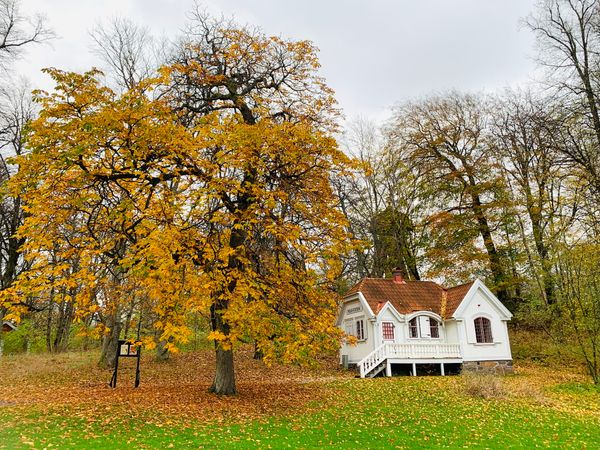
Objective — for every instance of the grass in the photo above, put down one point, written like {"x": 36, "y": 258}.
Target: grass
{"x": 62, "y": 402}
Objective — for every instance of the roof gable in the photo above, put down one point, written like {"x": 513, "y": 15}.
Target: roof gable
{"x": 351, "y": 296}
{"x": 7, "y": 324}
{"x": 392, "y": 310}
{"x": 478, "y": 285}
{"x": 455, "y": 296}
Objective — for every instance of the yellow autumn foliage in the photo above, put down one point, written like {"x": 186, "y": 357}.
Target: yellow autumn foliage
{"x": 128, "y": 199}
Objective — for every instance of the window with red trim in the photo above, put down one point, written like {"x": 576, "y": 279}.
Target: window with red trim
{"x": 483, "y": 330}
{"x": 388, "y": 331}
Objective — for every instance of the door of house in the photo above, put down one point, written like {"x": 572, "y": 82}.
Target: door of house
{"x": 387, "y": 329}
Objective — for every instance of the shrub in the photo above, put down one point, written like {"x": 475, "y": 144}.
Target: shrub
{"x": 482, "y": 385}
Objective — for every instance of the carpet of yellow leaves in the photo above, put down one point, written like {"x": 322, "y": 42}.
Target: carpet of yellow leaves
{"x": 177, "y": 391}
{"x": 172, "y": 390}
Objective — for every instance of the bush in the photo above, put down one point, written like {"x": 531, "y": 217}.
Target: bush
{"x": 18, "y": 341}
{"x": 536, "y": 346}
{"x": 482, "y": 385}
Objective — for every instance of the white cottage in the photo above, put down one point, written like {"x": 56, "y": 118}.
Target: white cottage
{"x": 409, "y": 326}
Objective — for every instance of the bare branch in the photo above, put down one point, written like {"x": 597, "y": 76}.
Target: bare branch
{"x": 18, "y": 31}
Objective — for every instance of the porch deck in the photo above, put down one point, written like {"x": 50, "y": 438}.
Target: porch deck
{"x": 421, "y": 353}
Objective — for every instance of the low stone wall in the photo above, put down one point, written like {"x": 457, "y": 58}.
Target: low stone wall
{"x": 501, "y": 367}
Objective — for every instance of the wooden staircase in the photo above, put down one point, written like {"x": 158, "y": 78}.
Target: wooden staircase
{"x": 373, "y": 363}
{"x": 376, "y": 370}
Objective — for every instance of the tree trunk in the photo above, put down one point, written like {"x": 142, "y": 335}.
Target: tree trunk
{"x": 535, "y": 216}
{"x": 494, "y": 257}
{"x": 162, "y": 354}
{"x": 2, "y": 313}
{"x": 63, "y": 327}
{"x": 12, "y": 257}
{"x": 108, "y": 356}
{"x": 49, "y": 324}
{"x": 224, "y": 381}
{"x": 258, "y": 355}
{"x": 128, "y": 321}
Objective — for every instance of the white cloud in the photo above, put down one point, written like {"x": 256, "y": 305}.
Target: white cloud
{"x": 374, "y": 53}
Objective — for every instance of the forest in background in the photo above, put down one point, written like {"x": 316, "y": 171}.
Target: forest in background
{"x": 502, "y": 186}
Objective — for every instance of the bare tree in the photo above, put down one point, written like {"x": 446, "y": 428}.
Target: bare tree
{"x": 568, "y": 32}
{"x": 361, "y": 196}
{"x": 126, "y": 48}
{"x": 526, "y": 130}
{"x": 16, "y": 110}
{"x": 18, "y": 31}
{"x": 380, "y": 202}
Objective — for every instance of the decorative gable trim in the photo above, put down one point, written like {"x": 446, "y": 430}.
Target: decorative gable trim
{"x": 393, "y": 311}
{"x": 9, "y": 324}
{"x": 478, "y": 285}
{"x": 361, "y": 298}
{"x": 425, "y": 313}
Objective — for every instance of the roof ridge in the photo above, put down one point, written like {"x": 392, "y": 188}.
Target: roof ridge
{"x": 406, "y": 281}
{"x": 460, "y": 285}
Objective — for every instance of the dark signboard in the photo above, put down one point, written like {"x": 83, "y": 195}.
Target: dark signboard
{"x": 127, "y": 349}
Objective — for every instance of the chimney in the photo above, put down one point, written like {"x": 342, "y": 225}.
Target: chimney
{"x": 397, "y": 276}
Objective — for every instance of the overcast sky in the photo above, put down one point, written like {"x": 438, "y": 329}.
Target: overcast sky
{"x": 374, "y": 53}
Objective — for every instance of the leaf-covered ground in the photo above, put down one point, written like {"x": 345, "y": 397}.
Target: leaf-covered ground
{"x": 64, "y": 402}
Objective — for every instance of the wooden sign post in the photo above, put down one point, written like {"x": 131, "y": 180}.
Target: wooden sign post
{"x": 126, "y": 349}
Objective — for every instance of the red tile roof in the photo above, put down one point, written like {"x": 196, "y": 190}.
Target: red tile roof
{"x": 411, "y": 296}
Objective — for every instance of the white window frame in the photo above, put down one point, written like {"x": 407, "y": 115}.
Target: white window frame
{"x": 351, "y": 327}
{"x": 362, "y": 327}
{"x": 420, "y": 336}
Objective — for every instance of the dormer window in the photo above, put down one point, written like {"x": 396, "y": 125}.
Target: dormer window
{"x": 434, "y": 328}
{"x": 413, "y": 327}
{"x": 423, "y": 327}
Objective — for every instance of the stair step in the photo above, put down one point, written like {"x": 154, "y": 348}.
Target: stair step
{"x": 376, "y": 370}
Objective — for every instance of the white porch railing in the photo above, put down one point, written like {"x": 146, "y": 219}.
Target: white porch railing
{"x": 420, "y": 350}
{"x": 372, "y": 360}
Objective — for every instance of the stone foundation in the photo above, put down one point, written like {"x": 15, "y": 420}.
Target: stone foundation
{"x": 500, "y": 367}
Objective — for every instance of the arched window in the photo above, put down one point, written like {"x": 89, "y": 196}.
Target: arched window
{"x": 413, "y": 327}
{"x": 483, "y": 330}
{"x": 423, "y": 327}
{"x": 434, "y": 328}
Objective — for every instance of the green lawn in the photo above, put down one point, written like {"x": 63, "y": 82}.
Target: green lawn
{"x": 402, "y": 412}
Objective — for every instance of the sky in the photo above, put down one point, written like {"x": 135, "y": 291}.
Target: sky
{"x": 374, "y": 53}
